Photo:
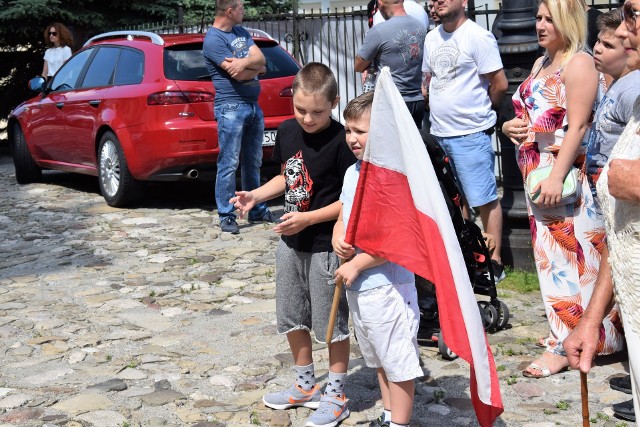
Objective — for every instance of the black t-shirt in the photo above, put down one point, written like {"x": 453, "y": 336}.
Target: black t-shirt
{"x": 315, "y": 164}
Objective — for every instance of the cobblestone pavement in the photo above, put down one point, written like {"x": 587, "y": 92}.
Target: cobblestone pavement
{"x": 151, "y": 317}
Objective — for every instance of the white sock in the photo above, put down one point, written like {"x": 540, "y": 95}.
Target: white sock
{"x": 392, "y": 424}
{"x": 386, "y": 415}
{"x": 305, "y": 377}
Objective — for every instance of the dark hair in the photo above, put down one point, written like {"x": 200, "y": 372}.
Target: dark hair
{"x": 358, "y": 106}
{"x": 223, "y": 5}
{"x": 64, "y": 35}
{"x": 316, "y": 78}
{"x": 609, "y": 20}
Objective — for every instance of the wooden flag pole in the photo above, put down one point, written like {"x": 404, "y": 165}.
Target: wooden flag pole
{"x": 337, "y": 292}
{"x": 334, "y": 311}
{"x": 584, "y": 392}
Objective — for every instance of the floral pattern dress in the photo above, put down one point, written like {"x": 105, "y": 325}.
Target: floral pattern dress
{"x": 567, "y": 240}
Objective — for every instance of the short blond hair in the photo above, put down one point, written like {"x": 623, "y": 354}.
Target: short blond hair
{"x": 358, "y": 106}
{"x": 316, "y": 78}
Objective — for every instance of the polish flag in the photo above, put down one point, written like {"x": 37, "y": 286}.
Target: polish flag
{"x": 399, "y": 213}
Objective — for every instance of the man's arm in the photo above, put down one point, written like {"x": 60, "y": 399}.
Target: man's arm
{"x": 361, "y": 64}
{"x": 246, "y": 68}
{"x": 624, "y": 180}
{"x": 498, "y": 85}
{"x": 426, "y": 80}
{"x": 582, "y": 342}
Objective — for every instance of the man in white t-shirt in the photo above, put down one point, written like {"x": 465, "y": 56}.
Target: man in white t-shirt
{"x": 412, "y": 8}
{"x": 464, "y": 81}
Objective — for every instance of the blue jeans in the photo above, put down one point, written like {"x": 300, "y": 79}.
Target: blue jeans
{"x": 240, "y": 134}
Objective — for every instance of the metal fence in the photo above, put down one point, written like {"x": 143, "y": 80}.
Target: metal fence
{"x": 332, "y": 37}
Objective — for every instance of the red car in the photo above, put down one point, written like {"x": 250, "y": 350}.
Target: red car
{"x": 134, "y": 106}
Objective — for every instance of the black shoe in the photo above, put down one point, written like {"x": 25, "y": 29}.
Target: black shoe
{"x": 622, "y": 384}
{"x": 229, "y": 225}
{"x": 266, "y": 217}
{"x": 624, "y": 410}
{"x": 498, "y": 271}
{"x": 378, "y": 422}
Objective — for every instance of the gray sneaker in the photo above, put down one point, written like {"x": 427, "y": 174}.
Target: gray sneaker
{"x": 268, "y": 216}
{"x": 293, "y": 396}
{"x": 331, "y": 411}
{"x": 229, "y": 225}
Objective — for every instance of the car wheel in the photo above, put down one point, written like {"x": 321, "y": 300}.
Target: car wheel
{"x": 117, "y": 185}
{"x": 26, "y": 169}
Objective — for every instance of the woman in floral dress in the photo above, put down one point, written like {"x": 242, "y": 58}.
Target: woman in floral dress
{"x": 553, "y": 109}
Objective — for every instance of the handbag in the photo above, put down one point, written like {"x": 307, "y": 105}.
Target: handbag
{"x": 570, "y": 186}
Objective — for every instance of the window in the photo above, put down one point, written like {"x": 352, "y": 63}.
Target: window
{"x": 67, "y": 77}
{"x": 130, "y": 69}
{"x": 185, "y": 62}
{"x": 101, "y": 69}
{"x": 279, "y": 63}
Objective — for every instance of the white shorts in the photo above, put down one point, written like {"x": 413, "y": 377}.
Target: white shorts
{"x": 386, "y": 321}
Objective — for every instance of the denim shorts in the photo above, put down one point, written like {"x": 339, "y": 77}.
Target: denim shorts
{"x": 473, "y": 162}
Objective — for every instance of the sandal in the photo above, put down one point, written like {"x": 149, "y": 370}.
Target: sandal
{"x": 542, "y": 342}
{"x": 539, "y": 365}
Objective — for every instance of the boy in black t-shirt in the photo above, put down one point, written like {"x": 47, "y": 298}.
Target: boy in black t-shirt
{"x": 314, "y": 160}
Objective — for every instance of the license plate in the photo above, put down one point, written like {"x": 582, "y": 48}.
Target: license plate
{"x": 269, "y": 137}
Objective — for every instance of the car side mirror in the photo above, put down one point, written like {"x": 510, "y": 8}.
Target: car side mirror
{"x": 38, "y": 84}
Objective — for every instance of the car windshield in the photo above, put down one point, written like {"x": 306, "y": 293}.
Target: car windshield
{"x": 185, "y": 62}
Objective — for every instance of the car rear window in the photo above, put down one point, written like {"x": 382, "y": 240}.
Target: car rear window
{"x": 186, "y": 62}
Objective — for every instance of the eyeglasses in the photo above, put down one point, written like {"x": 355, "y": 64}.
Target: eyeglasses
{"x": 54, "y": 33}
{"x": 629, "y": 15}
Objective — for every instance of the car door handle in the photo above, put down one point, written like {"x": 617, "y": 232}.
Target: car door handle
{"x": 94, "y": 102}
{"x": 59, "y": 105}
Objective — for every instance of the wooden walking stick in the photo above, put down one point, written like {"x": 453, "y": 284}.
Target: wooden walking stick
{"x": 584, "y": 392}
{"x": 337, "y": 292}
{"x": 334, "y": 310}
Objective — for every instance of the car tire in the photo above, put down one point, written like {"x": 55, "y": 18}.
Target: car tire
{"x": 117, "y": 185}
{"x": 27, "y": 171}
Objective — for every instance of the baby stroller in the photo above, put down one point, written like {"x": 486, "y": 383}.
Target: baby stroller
{"x": 494, "y": 313}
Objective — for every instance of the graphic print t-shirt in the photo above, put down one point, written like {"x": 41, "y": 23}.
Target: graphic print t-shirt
{"x": 219, "y": 45}
{"x": 315, "y": 165}
{"x": 398, "y": 44}
{"x": 458, "y": 96}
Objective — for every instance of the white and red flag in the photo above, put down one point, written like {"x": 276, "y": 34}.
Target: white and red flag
{"x": 399, "y": 213}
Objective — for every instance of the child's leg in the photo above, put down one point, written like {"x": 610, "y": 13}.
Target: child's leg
{"x": 339, "y": 356}
{"x": 401, "y": 395}
{"x": 300, "y": 345}
{"x": 384, "y": 389}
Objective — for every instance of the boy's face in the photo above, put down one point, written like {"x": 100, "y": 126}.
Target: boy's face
{"x": 609, "y": 54}
{"x": 313, "y": 111}
{"x": 357, "y": 131}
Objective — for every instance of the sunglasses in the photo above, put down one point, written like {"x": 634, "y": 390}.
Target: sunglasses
{"x": 54, "y": 33}
{"x": 629, "y": 16}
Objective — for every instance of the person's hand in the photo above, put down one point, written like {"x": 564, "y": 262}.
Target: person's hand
{"x": 235, "y": 66}
{"x": 581, "y": 345}
{"x": 243, "y": 202}
{"x": 624, "y": 180}
{"x": 347, "y": 273}
{"x": 516, "y": 130}
{"x": 342, "y": 248}
{"x": 549, "y": 192}
{"x": 292, "y": 223}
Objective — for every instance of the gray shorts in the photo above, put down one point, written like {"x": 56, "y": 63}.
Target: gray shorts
{"x": 304, "y": 293}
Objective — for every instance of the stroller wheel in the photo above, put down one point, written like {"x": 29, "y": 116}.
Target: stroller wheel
{"x": 489, "y": 316}
{"x": 445, "y": 351}
{"x": 503, "y": 315}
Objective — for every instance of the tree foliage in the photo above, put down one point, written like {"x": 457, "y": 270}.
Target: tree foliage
{"x": 22, "y": 23}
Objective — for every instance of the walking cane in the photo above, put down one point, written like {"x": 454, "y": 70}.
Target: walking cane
{"x": 334, "y": 310}
{"x": 584, "y": 392}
